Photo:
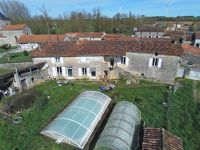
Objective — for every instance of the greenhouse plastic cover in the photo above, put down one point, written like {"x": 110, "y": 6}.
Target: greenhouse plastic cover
{"x": 120, "y": 128}
{"x": 77, "y": 122}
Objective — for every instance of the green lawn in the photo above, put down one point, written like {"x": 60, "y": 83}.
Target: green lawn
{"x": 15, "y": 58}
{"x": 5, "y": 50}
{"x": 148, "y": 96}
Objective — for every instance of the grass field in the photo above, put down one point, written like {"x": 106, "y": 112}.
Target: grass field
{"x": 4, "y": 71}
{"x": 15, "y": 58}
{"x": 5, "y": 50}
{"x": 183, "y": 118}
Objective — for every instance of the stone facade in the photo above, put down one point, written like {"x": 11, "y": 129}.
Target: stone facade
{"x": 96, "y": 67}
{"x": 164, "y": 70}
{"x": 13, "y": 35}
{"x": 149, "y": 34}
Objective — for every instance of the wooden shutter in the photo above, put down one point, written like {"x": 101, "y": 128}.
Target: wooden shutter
{"x": 159, "y": 62}
{"x": 127, "y": 60}
{"x": 150, "y": 62}
{"x": 54, "y": 72}
{"x": 53, "y": 60}
{"x": 88, "y": 72}
{"x": 64, "y": 71}
{"x": 61, "y": 60}
{"x": 80, "y": 72}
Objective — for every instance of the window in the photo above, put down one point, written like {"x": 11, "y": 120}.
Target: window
{"x": 57, "y": 59}
{"x": 59, "y": 70}
{"x": 93, "y": 73}
{"x": 123, "y": 60}
{"x": 69, "y": 72}
{"x": 84, "y": 71}
{"x": 155, "y": 62}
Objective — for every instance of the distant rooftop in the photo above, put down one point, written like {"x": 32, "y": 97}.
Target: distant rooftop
{"x": 14, "y": 27}
{"x": 41, "y": 38}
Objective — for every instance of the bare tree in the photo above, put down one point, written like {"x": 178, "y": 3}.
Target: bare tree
{"x": 16, "y": 11}
{"x": 46, "y": 17}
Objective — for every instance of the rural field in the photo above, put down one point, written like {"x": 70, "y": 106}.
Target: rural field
{"x": 181, "y": 116}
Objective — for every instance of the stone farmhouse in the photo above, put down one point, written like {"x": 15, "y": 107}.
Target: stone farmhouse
{"x": 31, "y": 42}
{"x": 3, "y": 21}
{"x": 150, "y": 32}
{"x": 197, "y": 39}
{"x": 13, "y": 32}
{"x": 98, "y": 60}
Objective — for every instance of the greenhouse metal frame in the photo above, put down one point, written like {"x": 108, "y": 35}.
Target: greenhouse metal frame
{"x": 121, "y": 127}
{"x": 77, "y": 122}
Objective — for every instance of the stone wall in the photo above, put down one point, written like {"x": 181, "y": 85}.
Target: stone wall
{"x": 139, "y": 64}
{"x": 16, "y": 65}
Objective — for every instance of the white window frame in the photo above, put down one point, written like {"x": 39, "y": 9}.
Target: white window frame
{"x": 57, "y": 59}
{"x": 84, "y": 71}
{"x": 155, "y": 62}
{"x": 59, "y": 70}
{"x": 67, "y": 71}
{"x": 123, "y": 60}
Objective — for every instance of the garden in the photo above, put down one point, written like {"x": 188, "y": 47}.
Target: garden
{"x": 44, "y": 102}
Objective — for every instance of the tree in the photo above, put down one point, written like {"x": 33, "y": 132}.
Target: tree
{"x": 16, "y": 11}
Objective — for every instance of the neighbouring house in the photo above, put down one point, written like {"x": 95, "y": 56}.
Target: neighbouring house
{"x": 107, "y": 59}
{"x": 22, "y": 78}
{"x": 13, "y": 32}
{"x": 3, "y": 21}
{"x": 190, "y": 64}
{"x": 30, "y": 42}
{"x": 160, "y": 139}
{"x": 197, "y": 39}
{"x": 188, "y": 39}
{"x": 89, "y": 36}
{"x": 175, "y": 35}
{"x": 150, "y": 32}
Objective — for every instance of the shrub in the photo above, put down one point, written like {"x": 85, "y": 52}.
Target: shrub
{"x": 25, "y": 53}
{"x": 6, "y": 46}
{"x": 19, "y": 102}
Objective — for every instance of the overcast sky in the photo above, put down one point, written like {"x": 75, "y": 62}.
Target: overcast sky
{"x": 111, "y": 7}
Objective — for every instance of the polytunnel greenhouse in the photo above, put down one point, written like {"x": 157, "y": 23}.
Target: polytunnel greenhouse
{"x": 77, "y": 122}
{"x": 122, "y": 126}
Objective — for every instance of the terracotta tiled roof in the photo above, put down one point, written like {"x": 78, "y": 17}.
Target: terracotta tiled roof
{"x": 160, "y": 139}
{"x": 91, "y": 34}
{"x": 191, "y": 49}
{"x": 152, "y": 139}
{"x": 103, "y": 48}
{"x": 118, "y": 37}
{"x": 170, "y": 141}
{"x": 150, "y": 29}
{"x": 14, "y": 27}
{"x": 40, "y": 38}
{"x": 172, "y": 33}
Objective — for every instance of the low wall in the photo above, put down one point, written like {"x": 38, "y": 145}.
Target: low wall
{"x": 16, "y": 65}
